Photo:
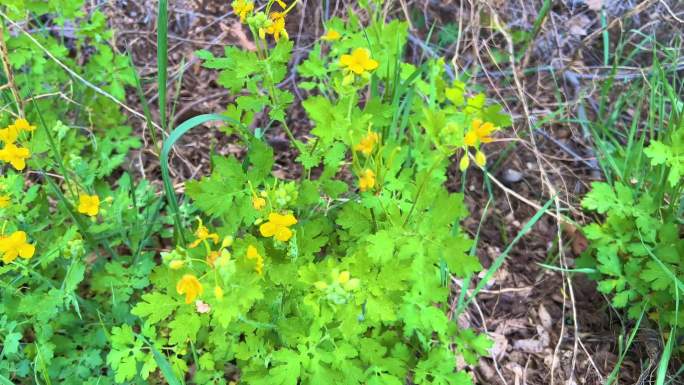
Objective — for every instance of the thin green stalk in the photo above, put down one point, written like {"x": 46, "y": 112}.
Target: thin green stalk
{"x": 500, "y": 259}
{"x": 162, "y": 58}
{"x": 536, "y": 27}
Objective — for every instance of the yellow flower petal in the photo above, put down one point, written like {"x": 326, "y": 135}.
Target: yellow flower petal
{"x": 470, "y": 139}
{"x": 283, "y": 234}
{"x": 88, "y": 204}
{"x": 190, "y": 286}
{"x": 268, "y": 229}
{"x": 16, "y": 245}
{"x": 16, "y": 156}
{"x": 22, "y": 124}
{"x": 4, "y": 201}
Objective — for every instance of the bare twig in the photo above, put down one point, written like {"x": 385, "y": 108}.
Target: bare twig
{"x": 4, "y": 57}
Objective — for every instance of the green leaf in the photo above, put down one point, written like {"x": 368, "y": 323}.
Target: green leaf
{"x": 658, "y": 152}
{"x": 155, "y": 307}
{"x": 125, "y": 353}
{"x": 215, "y": 195}
{"x": 287, "y": 373}
{"x": 609, "y": 262}
{"x": 654, "y": 274}
{"x": 184, "y": 328}
{"x": 438, "y": 369}
{"x": 601, "y": 198}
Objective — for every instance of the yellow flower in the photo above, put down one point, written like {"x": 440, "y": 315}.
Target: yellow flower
{"x": 331, "y": 35}
{"x": 278, "y": 225}
{"x": 4, "y": 201}
{"x": 9, "y": 135}
{"x": 367, "y": 143}
{"x": 88, "y": 204}
{"x": 253, "y": 253}
{"x": 16, "y": 156}
{"x": 281, "y": 3}
{"x": 359, "y": 61}
{"x": 276, "y": 26}
{"x": 258, "y": 202}
{"x": 22, "y": 124}
{"x": 367, "y": 180}
{"x": 242, "y": 8}
{"x": 218, "y": 292}
{"x": 479, "y": 131}
{"x": 190, "y": 286}
{"x": 202, "y": 234}
{"x": 480, "y": 158}
{"x": 176, "y": 264}
{"x": 16, "y": 245}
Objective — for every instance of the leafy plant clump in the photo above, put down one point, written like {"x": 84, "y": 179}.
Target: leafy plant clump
{"x": 320, "y": 280}
{"x": 637, "y": 248}
{"x": 338, "y": 272}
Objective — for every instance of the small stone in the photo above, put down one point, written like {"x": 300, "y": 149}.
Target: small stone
{"x": 511, "y": 176}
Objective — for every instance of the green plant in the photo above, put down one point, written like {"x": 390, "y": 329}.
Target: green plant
{"x": 636, "y": 247}
{"x": 338, "y": 273}
{"x": 317, "y": 279}
{"x": 57, "y": 236}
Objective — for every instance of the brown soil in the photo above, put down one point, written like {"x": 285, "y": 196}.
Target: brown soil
{"x": 543, "y": 322}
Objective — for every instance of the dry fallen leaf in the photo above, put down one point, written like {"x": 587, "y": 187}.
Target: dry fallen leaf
{"x": 545, "y": 317}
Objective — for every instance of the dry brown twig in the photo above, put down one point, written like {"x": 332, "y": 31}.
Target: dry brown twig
{"x": 4, "y": 57}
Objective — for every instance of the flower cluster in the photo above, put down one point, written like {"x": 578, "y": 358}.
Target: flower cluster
{"x": 12, "y": 153}
{"x": 339, "y": 287}
{"x": 189, "y": 285}
{"x": 479, "y": 133}
{"x": 367, "y": 178}
{"x": 368, "y": 143}
{"x": 266, "y": 23}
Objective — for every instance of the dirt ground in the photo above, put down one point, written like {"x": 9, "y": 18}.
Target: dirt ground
{"x": 548, "y": 327}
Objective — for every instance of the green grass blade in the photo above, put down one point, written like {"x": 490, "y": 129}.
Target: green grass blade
{"x": 616, "y": 370}
{"x": 164, "y": 365}
{"x": 176, "y": 94}
{"x": 162, "y": 57}
{"x": 145, "y": 104}
{"x": 473, "y": 250}
{"x": 536, "y": 27}
{"x": 556, "y": 268}
{"x": 500, "y": 259}
{"x": 4, "y": 380}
